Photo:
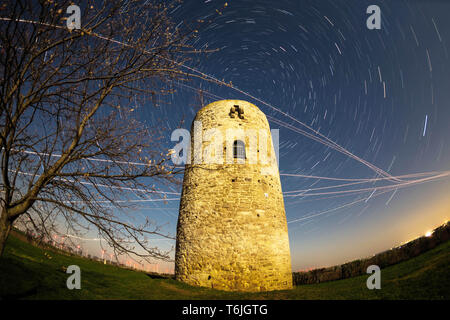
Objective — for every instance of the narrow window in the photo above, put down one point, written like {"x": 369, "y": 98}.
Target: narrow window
{"x": 238, "y": 149}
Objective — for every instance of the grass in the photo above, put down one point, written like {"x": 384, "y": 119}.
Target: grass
{"x": 29, "y": 272}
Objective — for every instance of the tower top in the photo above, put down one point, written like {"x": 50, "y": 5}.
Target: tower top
{"x": 223, "y": 112}
{"x": 226, "y": 102}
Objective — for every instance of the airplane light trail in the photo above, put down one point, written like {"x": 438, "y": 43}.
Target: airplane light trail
{"x": 325, "y": 140}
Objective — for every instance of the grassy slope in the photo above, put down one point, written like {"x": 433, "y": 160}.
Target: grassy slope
{"x": 25, "y": 272}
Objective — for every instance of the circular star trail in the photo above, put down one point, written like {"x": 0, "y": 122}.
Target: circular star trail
{"x": 376, "y": 100}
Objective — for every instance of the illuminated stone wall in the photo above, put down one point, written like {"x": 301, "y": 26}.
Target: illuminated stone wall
{"x": 232, "y": 231}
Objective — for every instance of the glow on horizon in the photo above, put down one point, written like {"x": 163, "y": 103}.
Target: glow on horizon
{"x": 413, "y": 219}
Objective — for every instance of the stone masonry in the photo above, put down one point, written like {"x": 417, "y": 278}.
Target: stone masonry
{"x": 232, "y": 232}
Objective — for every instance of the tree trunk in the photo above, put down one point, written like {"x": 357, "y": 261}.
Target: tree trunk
{"x": 5, "y": 227}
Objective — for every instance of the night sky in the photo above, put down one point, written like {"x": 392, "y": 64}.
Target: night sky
{"x": 363, "y": 114}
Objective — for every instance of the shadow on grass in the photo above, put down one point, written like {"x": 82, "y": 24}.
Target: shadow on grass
{"x": 21, "y": 295}
{"x": 159, "y": 276}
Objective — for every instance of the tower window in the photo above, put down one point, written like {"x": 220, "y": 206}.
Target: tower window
{"x": 238, "y": 109}
{"x": 239, "y": 149}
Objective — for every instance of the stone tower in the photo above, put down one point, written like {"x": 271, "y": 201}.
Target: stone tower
{"x": 232, "y": 232}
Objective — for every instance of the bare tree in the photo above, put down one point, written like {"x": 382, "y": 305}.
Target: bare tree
{"x": 71, "y": 146}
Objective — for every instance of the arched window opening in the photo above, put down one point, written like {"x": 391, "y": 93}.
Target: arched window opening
{"x": 239, "y": 149}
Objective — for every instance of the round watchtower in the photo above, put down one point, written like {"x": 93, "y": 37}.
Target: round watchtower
{"x": 232, "y": 232}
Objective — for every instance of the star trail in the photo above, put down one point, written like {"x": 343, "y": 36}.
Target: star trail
{"x": 363, "y": 114}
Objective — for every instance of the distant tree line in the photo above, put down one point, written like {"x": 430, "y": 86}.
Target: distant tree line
{"x": 383, "y": 259}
